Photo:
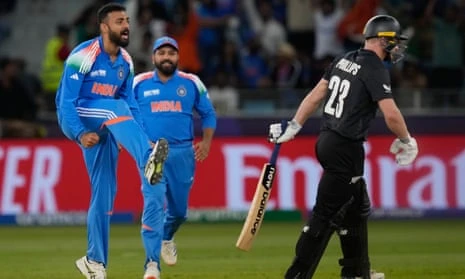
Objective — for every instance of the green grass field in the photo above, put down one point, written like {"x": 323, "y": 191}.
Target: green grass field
{"x": 401, "y": 249}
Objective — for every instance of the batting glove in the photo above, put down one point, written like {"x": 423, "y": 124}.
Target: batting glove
{"x": 405, "y": 150}
{"x": 291, "y": 130}
{"x": 275, "y": 132}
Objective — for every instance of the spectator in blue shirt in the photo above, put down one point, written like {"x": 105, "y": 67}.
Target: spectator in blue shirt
{"x": 254, "y": 69}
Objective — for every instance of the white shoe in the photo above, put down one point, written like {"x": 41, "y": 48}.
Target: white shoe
{"x": 91, "y": 269}
{"x": 376, "y": 275}
{"x": 154, "y": 167}
{"x": 151, "y": 271}
{"x": 373, "y": 275}
{"x": 168, "y": 252}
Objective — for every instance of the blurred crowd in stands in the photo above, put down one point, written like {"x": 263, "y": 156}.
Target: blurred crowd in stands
{"x": 255, "y": 54}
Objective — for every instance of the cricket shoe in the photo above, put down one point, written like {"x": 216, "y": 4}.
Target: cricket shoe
{"x": 373, "y": 275}
{"x": 168, "y": 252}
{"x": 152, "y": 271}
{"x": 154, "y": 167}
{"x": 376, "y": 275}
{"x": 91, "y": 269}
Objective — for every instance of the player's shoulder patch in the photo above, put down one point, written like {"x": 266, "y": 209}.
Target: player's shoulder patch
{"x": 141, "y": 77}
{"x": 127, "y": 57}
{"x": 84, "y": 55}
{"x": 196, "y": 80}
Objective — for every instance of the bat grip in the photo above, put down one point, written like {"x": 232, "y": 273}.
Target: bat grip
{"x": 274, "y": 155}
{"x": 277, "y": 146}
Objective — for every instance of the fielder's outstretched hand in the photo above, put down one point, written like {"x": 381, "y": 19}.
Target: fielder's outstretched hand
{"x": 405, "y": 150}
{"x": 277, "y": 136}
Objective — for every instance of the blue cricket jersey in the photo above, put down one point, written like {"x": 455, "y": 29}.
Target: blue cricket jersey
{"x": 90, "y": 74}
{"x": 167, "y": 109}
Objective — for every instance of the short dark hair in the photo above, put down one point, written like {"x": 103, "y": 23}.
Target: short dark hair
{"x": 108, "y": 8}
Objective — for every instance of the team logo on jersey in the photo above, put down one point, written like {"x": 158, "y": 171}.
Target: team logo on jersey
{"x": 121, "y": 73}
{"x": 387, "y": 88}
{"x": 181, "y": 91}
{"x": 166, "y": 106}
{"x": 104, "y": 89}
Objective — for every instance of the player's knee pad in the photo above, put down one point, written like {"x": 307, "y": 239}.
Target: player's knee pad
{"x": 362, "y": 203}
{"x": 313, "y": 241}
{"x": 363, "y": 199}
{"x": 312, "y": 236}
{"x": 309, "y": 248}
{"x": 320, "y": 228}
{"x": 354, "y": 246}
{"x": 353, "y": 234}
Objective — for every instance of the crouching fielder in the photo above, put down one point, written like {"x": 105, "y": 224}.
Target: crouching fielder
{"x": 354, "y": 86}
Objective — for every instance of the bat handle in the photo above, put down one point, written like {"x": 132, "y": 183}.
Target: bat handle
{"x": 277, "y": 146}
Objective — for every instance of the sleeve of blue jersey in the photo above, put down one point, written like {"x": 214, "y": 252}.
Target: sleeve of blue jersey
{"x": 128, "y": 94}
{"x": 205, "y": 109}
{"x": 68, "y": 94}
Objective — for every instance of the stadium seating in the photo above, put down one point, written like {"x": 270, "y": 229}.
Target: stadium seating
{"x": 33, "y": 23}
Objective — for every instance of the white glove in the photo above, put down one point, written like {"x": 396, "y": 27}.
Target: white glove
{"x": 291, "y": 130}
{"x": 276, "y": 130}
{"x": 405, "y": 151}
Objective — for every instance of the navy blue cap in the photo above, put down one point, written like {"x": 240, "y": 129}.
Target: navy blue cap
{"x": 164, "y": 41}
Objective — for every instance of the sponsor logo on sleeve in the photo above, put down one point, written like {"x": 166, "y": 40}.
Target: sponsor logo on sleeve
{"x": 387, "y": 88}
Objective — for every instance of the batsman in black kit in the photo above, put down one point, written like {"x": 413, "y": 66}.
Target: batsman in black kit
{"x": 353, "y": 87}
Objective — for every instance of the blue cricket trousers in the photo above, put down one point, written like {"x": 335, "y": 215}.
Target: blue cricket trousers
{"x": 112, "y": 120}
{"x": 160, "y": 223}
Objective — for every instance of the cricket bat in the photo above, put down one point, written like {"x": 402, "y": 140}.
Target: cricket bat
{"x": 257, "y": 208}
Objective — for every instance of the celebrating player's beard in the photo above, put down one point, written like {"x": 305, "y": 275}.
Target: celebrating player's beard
{"x": 166, "y": 67}
{"x": 121, "y": 39}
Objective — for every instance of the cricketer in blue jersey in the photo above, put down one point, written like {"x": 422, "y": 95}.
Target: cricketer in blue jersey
{"x": 167, "y": 100}
{"x": 97, "y": 109}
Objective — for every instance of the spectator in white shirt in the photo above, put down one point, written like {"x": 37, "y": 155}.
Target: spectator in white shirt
{"x": 326, "y": 22}
{"x": 271, "y": 32}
